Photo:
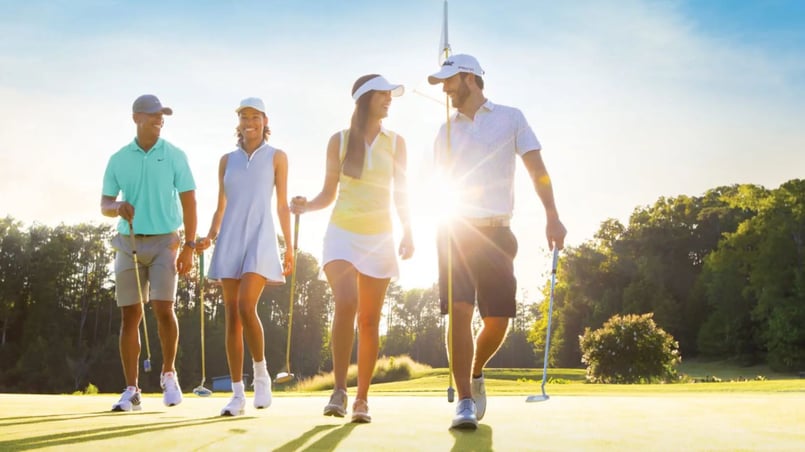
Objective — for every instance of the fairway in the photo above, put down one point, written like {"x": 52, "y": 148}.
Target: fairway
{"x": 718, "y": 421}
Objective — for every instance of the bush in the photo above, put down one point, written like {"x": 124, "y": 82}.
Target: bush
{"x": 395, "y": 368}
{"x": 629, "y": 349}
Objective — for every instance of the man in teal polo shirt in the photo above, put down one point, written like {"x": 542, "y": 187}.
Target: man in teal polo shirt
{"x": 158, "y": 195}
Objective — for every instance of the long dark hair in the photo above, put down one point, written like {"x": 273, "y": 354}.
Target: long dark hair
{"x": 356, "y": 148}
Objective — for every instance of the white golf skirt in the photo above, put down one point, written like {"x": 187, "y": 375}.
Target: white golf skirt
{"x": 372, "y": 254}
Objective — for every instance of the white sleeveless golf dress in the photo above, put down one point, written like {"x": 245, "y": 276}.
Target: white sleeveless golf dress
{"x": 247, "y": 241}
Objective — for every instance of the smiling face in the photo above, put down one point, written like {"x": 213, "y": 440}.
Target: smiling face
{"x": 456, "y": 87}
{"x": 251, "y": 124}
{"x": 149, "y": 125}
{"x": 379, "y": 104}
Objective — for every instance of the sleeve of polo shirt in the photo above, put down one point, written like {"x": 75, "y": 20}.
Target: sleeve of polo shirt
{"x": 525, "y": 139}
{"x": 110, "y": 185}
{"x": 183, "y": 177}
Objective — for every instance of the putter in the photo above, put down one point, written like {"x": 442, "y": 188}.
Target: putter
{"x": 544, "y": 396}
{"x": 147, "y": 361}
{"x": 287, "y": 376}
{"x": 200, "y": 390}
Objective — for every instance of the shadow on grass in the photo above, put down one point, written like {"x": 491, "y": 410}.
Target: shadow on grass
{"x": 82, "y": 436}
{"x": 21, "y": 420}
{"x": 329, "y": 441}
{"x": 470, "y": 440}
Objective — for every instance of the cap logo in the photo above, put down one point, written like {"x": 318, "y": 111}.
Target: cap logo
{"x": 447, "y": 63}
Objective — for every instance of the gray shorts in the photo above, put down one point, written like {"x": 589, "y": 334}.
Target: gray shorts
{"x": 156, "y": 256}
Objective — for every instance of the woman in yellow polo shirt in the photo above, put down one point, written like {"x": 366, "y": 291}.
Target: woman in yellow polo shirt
{"x": 366, "y": 166}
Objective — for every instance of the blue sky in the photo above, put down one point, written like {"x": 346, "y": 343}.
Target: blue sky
{"x": 631, "y": 100}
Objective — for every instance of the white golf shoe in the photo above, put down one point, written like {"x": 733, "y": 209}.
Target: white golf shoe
{"x": 465, "y": 418}
{"x": 360, "y": 412}
{"x": 479, "y": 396}
{"x": 171, "y": 392}
{"x": 262, "y": 392}
{"x": 129, "y": 401}
{"x": 337, "y": 406}
{"x": 235, "y": 407}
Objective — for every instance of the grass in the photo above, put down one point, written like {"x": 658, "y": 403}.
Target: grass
{"x": 413, "y": 414}
{"x": 425, "y": 381}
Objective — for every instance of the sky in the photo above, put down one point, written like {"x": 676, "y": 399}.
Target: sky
{"x": 631, "y": 100}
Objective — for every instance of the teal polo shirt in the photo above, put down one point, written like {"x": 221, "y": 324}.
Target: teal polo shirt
{"x": 151, "y": 182}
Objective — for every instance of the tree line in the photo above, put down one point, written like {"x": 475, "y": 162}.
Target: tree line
{"x": 724, "y": 273}
{"x": 59, "y": 322}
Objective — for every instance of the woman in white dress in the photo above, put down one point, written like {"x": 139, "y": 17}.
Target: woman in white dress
{"x": 246, "y": 255}
{"x": 364, "y": 163}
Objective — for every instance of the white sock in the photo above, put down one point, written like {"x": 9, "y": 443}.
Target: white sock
{"x": 260, "y": 368}
{"x": 239, "y": 389}
{"x": 131, "y": 388}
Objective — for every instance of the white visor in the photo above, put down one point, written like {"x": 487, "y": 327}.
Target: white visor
{"x": 378, "y": 84}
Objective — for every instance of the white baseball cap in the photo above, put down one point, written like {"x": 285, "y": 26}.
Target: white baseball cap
{"x": 455, "y": 64}
{"x": 252, "y": 102}
{"x": 378, "y": 83}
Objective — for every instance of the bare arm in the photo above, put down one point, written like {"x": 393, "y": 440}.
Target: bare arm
{"x": 283, "y": 211}
{"x": 328, "y": 191}
{"x": 555, "y": 231}
{"x": 185, "y": 260}
{"x": 217, "y": 217}
{"x": 406, "y": 249}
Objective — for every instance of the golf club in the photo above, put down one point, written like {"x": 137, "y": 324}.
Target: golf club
{"x": 147, "y": 361}
{"x": 287, "y": 376}
{"x": 200, "y": 390}
{"x": 543, "y": 397}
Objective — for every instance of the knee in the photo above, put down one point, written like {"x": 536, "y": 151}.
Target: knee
{"x": 368, "y": 324}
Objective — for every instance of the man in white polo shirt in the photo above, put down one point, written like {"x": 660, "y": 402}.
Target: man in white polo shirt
{"x": 478, "y": 158}
{"x": 158, "y": 196}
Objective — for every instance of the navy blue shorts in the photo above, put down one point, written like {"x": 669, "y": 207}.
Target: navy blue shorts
{"x": 483, "y": 268}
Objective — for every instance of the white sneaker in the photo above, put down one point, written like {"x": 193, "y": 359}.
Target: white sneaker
{"x": 337, "y": 406}
{"x": 465, "y": 415}
{"x": 479, "y": 396}
{"x": 171, "y": 392}
{"x": 129, "y": 401}
{"x": 262, "y": 392}
{"x": 235, "y": 407}
{"x": 360, "y": 412}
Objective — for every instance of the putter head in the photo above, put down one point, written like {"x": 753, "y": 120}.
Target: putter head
{"x": 147, "y": 365}
{"x": 537, "y": 398}
{"x": 283, "y": 378}
{"x": 201, "y": 391}
{"x": 451, "y": 394}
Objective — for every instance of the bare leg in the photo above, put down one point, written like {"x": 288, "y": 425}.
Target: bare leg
{"x": 488, "y": 341}
{"x": 168, "y": 328}
{"x": 251, "y": 286}
{"x": 343, "y": 279}
{"x": 234, "y": 329}
{"x": 129, "y": 342}
{"x": 462, "y": 347}
{"x": 371, "y": 294}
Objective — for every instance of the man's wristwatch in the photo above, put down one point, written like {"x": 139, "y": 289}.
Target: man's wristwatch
{"x": 190, "y": 244}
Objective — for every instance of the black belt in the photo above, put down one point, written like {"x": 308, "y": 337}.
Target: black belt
{"x": 147, "y": 235}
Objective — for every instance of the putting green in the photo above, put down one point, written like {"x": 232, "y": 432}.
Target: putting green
{"x": 730, "y": 421}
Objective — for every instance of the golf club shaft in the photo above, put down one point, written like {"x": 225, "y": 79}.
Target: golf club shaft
{"x": 550, "y": 315}
{"x": 201, "y": 314}
{"x": 292, "y": 290}
{"x": 147, "y": 365}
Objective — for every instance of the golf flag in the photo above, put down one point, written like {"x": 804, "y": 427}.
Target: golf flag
{"x": 444, "y": 42}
